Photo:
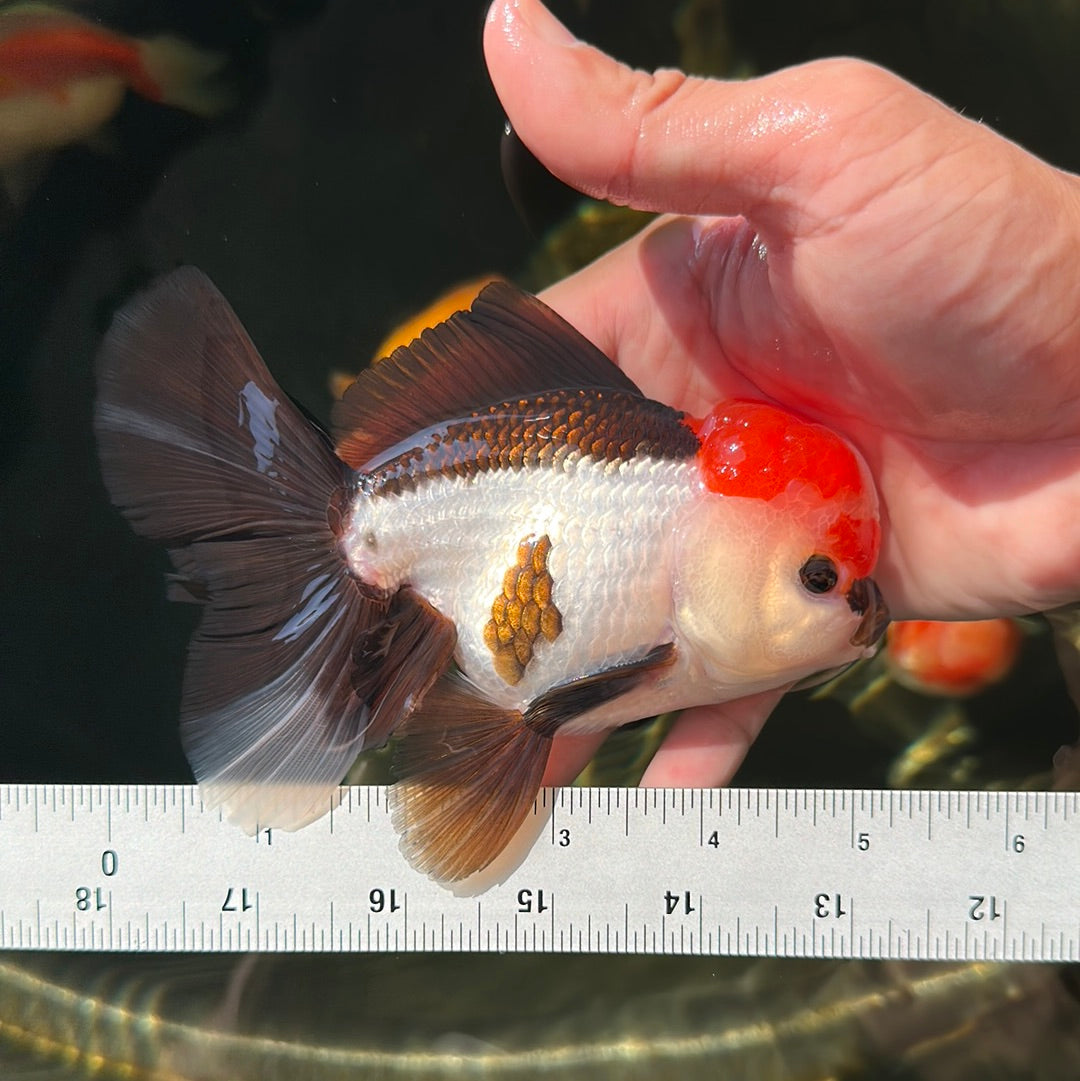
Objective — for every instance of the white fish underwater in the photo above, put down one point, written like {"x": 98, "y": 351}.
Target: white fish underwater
{"x": 505, "y": 540}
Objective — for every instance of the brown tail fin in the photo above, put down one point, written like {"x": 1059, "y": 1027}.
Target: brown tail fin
{"x": 205, "y": 453}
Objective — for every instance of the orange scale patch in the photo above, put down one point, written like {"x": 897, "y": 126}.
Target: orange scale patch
{"x": 523, "y": 611}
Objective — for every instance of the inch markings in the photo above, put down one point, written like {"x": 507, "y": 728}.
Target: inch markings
{"x": 752, "y": 872}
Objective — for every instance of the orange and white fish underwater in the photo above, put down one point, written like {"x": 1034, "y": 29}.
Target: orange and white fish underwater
{"x": 955, "y": 659}
{"x": 505, "y": 540}
{"x": 455, "y": 299}
{"x": 62, "y": 77}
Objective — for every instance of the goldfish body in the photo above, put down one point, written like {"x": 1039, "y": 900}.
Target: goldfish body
{"x": 506, "y": 541}
{"x": 62, "y": 78}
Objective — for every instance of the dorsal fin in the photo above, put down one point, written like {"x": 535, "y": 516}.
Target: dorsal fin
{"x": 507, "y": 344}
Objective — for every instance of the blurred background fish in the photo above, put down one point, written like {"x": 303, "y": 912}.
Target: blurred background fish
{"x": 456, "y": 299}
{"x": 959, "y": 658}
{"x": 62, "y": 77}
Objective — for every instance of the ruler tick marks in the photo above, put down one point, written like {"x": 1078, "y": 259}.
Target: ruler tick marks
{"x": 167, "y": 896}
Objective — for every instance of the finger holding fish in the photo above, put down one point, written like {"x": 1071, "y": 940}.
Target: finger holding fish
{"x": 707, "y": 744}
{"x": 570, "y": 754}
{"x": 704, "y": 747}
{"x": 859, "y": 280}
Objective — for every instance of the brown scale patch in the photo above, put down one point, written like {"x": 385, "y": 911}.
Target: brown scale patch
{"x": 543, "y": 431}
{"x": 523, "y": 611}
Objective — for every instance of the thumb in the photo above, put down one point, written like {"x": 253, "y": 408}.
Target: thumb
{"x": 666, "y": 141}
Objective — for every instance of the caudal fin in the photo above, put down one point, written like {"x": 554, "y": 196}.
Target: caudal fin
{"x": 177, "y": 73}
{"x": 204, "y": 452}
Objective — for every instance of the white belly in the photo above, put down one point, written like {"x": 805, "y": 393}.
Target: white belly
{"x": 610, "y": 528}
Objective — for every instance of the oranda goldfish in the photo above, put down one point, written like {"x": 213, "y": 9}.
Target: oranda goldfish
{"x": 505, "y": 540}
{"x": 955, "y": 659}
{"x": 62, "y": 77}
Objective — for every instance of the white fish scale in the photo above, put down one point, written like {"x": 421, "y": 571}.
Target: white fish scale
{"x": 610, "y": 527}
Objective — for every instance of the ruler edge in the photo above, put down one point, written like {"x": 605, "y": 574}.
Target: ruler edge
{"x": 549, "y": 798}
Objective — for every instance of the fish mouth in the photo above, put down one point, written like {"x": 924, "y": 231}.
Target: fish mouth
{"x": 865, "y": 599}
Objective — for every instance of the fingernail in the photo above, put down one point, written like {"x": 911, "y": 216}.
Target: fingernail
{"x": 538, "y": 19}
{"x": 546, "y": 25}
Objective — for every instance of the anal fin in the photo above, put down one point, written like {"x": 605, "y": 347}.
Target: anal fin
{"x": 470, "y": 770}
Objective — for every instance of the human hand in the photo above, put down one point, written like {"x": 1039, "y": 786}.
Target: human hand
{"x": 854, "y": 250}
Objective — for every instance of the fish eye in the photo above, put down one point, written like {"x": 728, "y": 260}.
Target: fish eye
{"x": 818, "y": 574}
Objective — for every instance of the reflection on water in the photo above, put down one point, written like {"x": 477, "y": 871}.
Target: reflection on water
{"x": 507, "y": 1017}
{"x": 342, "y": 190}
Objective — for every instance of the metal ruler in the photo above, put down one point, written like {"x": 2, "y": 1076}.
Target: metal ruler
{"x": 763, "y": 872}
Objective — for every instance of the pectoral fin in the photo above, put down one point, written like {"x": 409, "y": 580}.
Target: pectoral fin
{"x": 571, "y": 700}
{"x": 471, "y": 770}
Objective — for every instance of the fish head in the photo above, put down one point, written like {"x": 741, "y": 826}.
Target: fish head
{"x": 773, "y": 560}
